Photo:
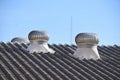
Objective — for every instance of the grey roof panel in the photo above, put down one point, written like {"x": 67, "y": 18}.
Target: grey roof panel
{"x": 17, "y": 64}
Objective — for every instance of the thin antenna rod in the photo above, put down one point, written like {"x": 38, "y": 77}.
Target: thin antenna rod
{"x": 71, "y": 31}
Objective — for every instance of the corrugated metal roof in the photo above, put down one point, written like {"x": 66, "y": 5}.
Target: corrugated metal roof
{"x": 17, "y": 64}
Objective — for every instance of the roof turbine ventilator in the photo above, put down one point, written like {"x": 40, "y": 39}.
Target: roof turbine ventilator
{"x": 38, "y": 42}
{"x": 87, "y": 46}
{"x": 19, "y": 40}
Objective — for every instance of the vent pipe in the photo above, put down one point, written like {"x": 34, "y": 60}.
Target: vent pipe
{"x": 38, "y": 42}
{"x": 19, "y": 40}
{"x": 87, "y": 46}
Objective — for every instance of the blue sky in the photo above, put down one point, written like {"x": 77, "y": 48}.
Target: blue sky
{"x": 19, "y": 17}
